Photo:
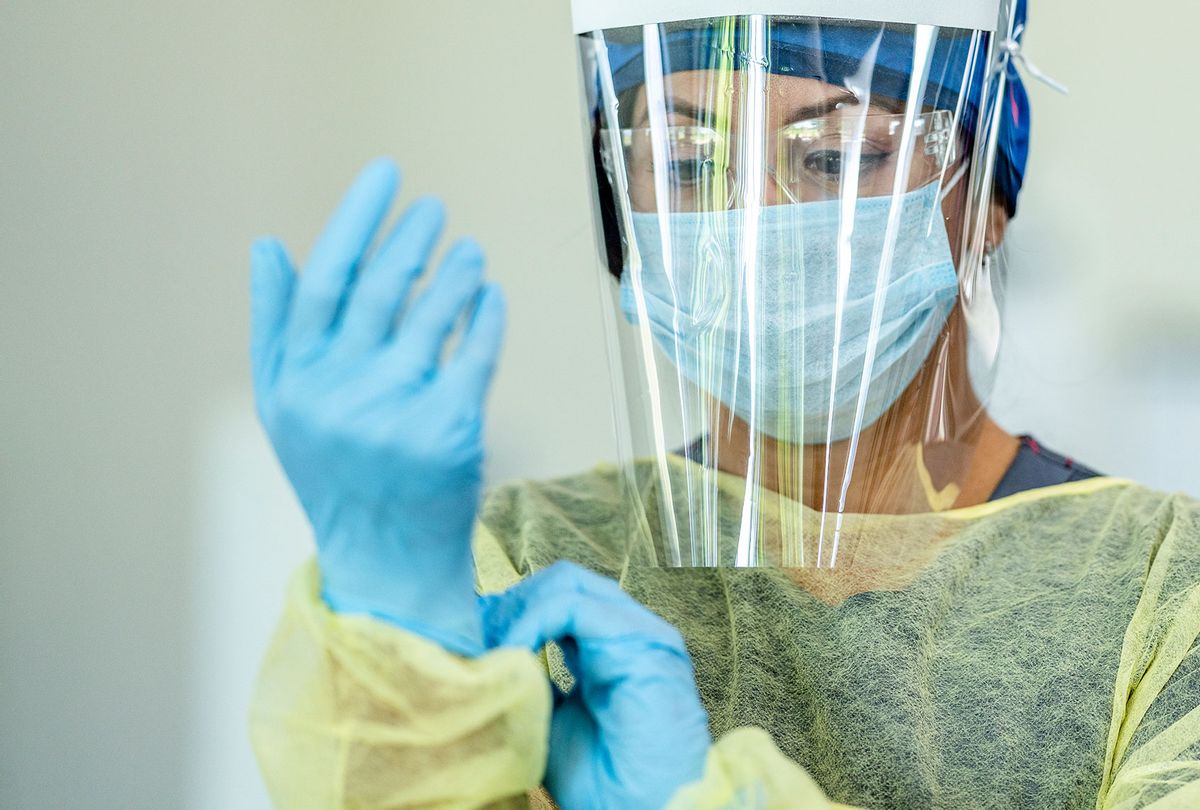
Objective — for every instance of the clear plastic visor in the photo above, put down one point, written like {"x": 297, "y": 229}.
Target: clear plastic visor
{"x": 803, "y": 327}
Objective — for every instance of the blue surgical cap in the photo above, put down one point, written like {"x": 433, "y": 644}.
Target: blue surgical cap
{"x": 832, "y": 51}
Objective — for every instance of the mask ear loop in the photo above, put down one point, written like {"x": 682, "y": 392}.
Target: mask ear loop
{"x": 955, "y": 179}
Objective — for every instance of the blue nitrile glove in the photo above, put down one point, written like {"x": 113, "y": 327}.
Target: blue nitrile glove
{"x": 632, "y": 731}
{"x": 381, "y": 440}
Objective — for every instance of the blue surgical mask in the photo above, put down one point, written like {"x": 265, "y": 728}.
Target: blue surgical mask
{"x": 777, "y": 343}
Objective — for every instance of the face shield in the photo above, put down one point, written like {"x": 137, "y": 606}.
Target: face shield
{"x": 797, "y": 222}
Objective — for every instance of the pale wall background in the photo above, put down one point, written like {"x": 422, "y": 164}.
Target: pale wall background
{"x": 145, "y": 533}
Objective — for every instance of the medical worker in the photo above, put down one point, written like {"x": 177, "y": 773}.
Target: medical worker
{"x": 820, "y": 574}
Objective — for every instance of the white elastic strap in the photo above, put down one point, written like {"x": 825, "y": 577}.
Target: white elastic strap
{"x": 1011, "y": 50}
{"x": 955, "y": 179}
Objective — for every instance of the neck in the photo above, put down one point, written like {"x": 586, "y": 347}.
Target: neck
{"x": 936, "y": 448}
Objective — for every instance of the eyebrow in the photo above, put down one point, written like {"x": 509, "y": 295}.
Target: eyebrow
{"x": 681, "y": 106}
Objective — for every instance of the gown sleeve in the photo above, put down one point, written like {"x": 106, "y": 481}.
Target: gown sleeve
{"x": 745, "y": 770}
{"x": 1153, "y": 756}
{"x": 352, "y": 712}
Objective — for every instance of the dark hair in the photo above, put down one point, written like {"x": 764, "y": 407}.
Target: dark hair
{"x": 614, "y": 242}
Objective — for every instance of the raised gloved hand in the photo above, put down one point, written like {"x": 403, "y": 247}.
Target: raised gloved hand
{"x": 381, "y": 440}
{"x": 632, "y": 731}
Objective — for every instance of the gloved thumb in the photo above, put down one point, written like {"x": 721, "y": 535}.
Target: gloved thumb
{"x": 272, "y": 280}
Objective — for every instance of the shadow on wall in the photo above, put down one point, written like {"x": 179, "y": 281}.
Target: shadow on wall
{"x": 250, "y": 537}
{"x": 1092, "y": 380}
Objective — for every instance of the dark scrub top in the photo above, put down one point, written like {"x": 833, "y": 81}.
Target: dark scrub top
{"x": 1036, "y": 466}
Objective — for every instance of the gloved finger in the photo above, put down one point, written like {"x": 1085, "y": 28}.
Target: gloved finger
{"x": 330, "y": 269}
{"x": 469, "y": 374}
{"x": 520, "y": 616}
{"x": 626, "y": 660}
{"x": 272, "y": 280}
{"x": 573, "y": 736}
{"x": 432, "y": 318}
{"x": 502, "y": 611}
{"x": 613, "y": 641}
{"x": 565, "y": 601}
{"x": 494, "y": 608}
{"x": 385, "y": 281}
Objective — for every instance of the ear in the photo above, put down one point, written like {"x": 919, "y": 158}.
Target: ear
{"x": 997, "y": 223}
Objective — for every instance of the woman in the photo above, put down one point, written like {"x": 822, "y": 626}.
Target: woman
{"x": 888, "y": 601}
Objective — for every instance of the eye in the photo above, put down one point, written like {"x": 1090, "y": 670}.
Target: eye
{"x": 831, "y": 163}
{"x": 824, "y": 162}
